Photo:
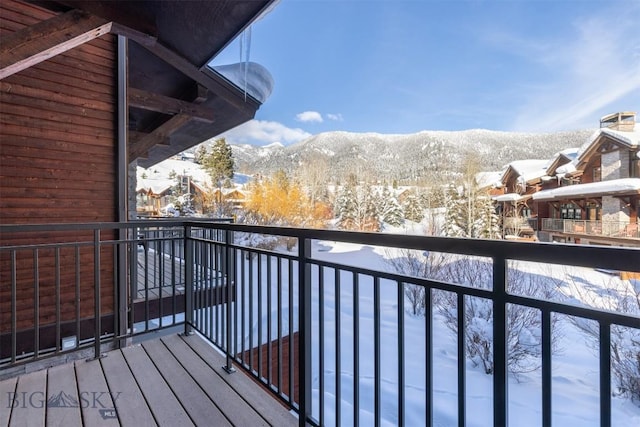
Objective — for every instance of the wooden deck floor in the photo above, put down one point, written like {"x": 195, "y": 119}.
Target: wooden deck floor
{"x": 169, "y": 381}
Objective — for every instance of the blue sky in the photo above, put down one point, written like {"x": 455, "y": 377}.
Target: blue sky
{"x": 396, "y": 66}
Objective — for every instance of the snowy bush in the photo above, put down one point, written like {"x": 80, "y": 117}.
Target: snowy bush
{"x": 621, "y": 296}
{"x": 416, "y": 264}
{"x": 524, "y": 324}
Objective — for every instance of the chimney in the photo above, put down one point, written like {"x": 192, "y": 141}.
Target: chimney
{"x": 624, "y": 121}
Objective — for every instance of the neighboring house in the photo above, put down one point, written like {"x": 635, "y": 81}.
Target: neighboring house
{"x": 520, "y": 180}
{"x": 152, "y": 195}
{"x": 580, "y": 195}
{"x": 159, "y": 185}
{"x": 597, "y": 197}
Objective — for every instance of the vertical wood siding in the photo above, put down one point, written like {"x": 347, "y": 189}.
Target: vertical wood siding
{"x": 58, "y": 163}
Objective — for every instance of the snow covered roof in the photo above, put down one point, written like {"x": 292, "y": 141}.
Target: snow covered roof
{"x": 527, "y": 170}
{"x": 157, "y": 185}
{"x": 561, "y": 159}
{"x": 248, "y": 76}
{"x": 630, "y": 139}
{"x": 566, "y": 168}
{"x": 489, "y": 179}
{"x": 510, "y": 197}
{"x": 612, "y": 187}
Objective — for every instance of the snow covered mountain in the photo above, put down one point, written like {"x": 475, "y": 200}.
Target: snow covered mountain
{"x": 405, "y": 156}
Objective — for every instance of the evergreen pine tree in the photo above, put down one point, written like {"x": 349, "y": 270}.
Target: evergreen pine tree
{"x": 355, "y": 207}
{"x": 387, "y": 208}
{"x": 470, "y": 213}
{"x": 219, "y": 165}
{"x": 413, "y": 210}
{"x": 452, "y": 218}
{"x": 365, "y": 216}
{"x": 200, "y": 154}
{"x": 343, "y": 207}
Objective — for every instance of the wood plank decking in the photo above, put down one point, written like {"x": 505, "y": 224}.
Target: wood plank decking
{"x": 169, "y": 381}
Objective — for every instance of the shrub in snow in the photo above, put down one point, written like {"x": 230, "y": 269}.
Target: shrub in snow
{"x": 621, "y": 296}
{"x": 524, "y": 324}
{"x": 416, "y": 264}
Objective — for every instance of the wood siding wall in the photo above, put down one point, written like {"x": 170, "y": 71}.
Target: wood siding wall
{"x": 58, "y": 163}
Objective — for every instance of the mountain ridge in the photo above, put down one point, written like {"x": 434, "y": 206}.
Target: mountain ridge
{"x": 410, "y": 156}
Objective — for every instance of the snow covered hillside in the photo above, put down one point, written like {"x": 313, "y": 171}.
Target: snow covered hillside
{"x": 405, "y": 156}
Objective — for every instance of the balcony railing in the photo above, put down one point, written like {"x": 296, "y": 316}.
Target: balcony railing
{"x": 596, "y": 228}
{"x": 285, "y": 317}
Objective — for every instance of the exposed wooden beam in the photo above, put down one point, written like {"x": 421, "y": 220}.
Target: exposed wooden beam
{"x": 205, "y": 78}
{"x": 158, "y": 136}
{"x": 167, "y": 105}
{"x": 133, "y": 137}
{"x": 131, "y": 16}
{"x": 142, "y": 38}
{"x": 580, "y": 203}
{"x": 39, "y": 42}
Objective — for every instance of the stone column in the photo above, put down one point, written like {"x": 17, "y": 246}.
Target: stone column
{"x": 615, "y": 165}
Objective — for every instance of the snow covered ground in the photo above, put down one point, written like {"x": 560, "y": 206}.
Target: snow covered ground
{"x": 575, "y": 375}
{"x": 575, "y": 367}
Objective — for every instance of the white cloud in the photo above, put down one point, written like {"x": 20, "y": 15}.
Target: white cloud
{"x": 594, "y": 73}
{"x": 335, "y": 117}
{"x": 261, "y": 132}
{"x": 309, "y": 116}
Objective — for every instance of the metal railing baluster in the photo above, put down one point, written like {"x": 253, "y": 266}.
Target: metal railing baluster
{"x": 401, "y": 361}
{"x": 304, "y": 319}
{"x": 546, "y": 368}
{"x": 229, "y": 285}
{"x": 377, "y": 393}
{"x": 321, "y": 340}
{"x": 36, "y": 303}
{"x": 57, "y": 290}
{"x": 269, "y": 324}
{"x": 605, "y": 373}
{"x": 356, "y": 349}
{"x": 188, "y": 288}
{"x": 462, "y": 358}
{"x": 338, "y": 355}
{"x": 96, "y": 296}
{"x": 500, "y": 348}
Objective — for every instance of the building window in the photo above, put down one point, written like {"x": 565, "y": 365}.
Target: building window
{"x": 570, "y": 211}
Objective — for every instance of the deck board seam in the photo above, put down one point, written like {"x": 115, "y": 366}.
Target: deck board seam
{"x": 15, "y": 390}
{"x": 227, "y": 382}
{"x": 46, "y": 396}
{"x": 168, "y": 385}
{"x": 197, "y": 383}
{"x": 75, "y": 374}
{"x": 194, "y": 379}
{"x": 135, "y": 379}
